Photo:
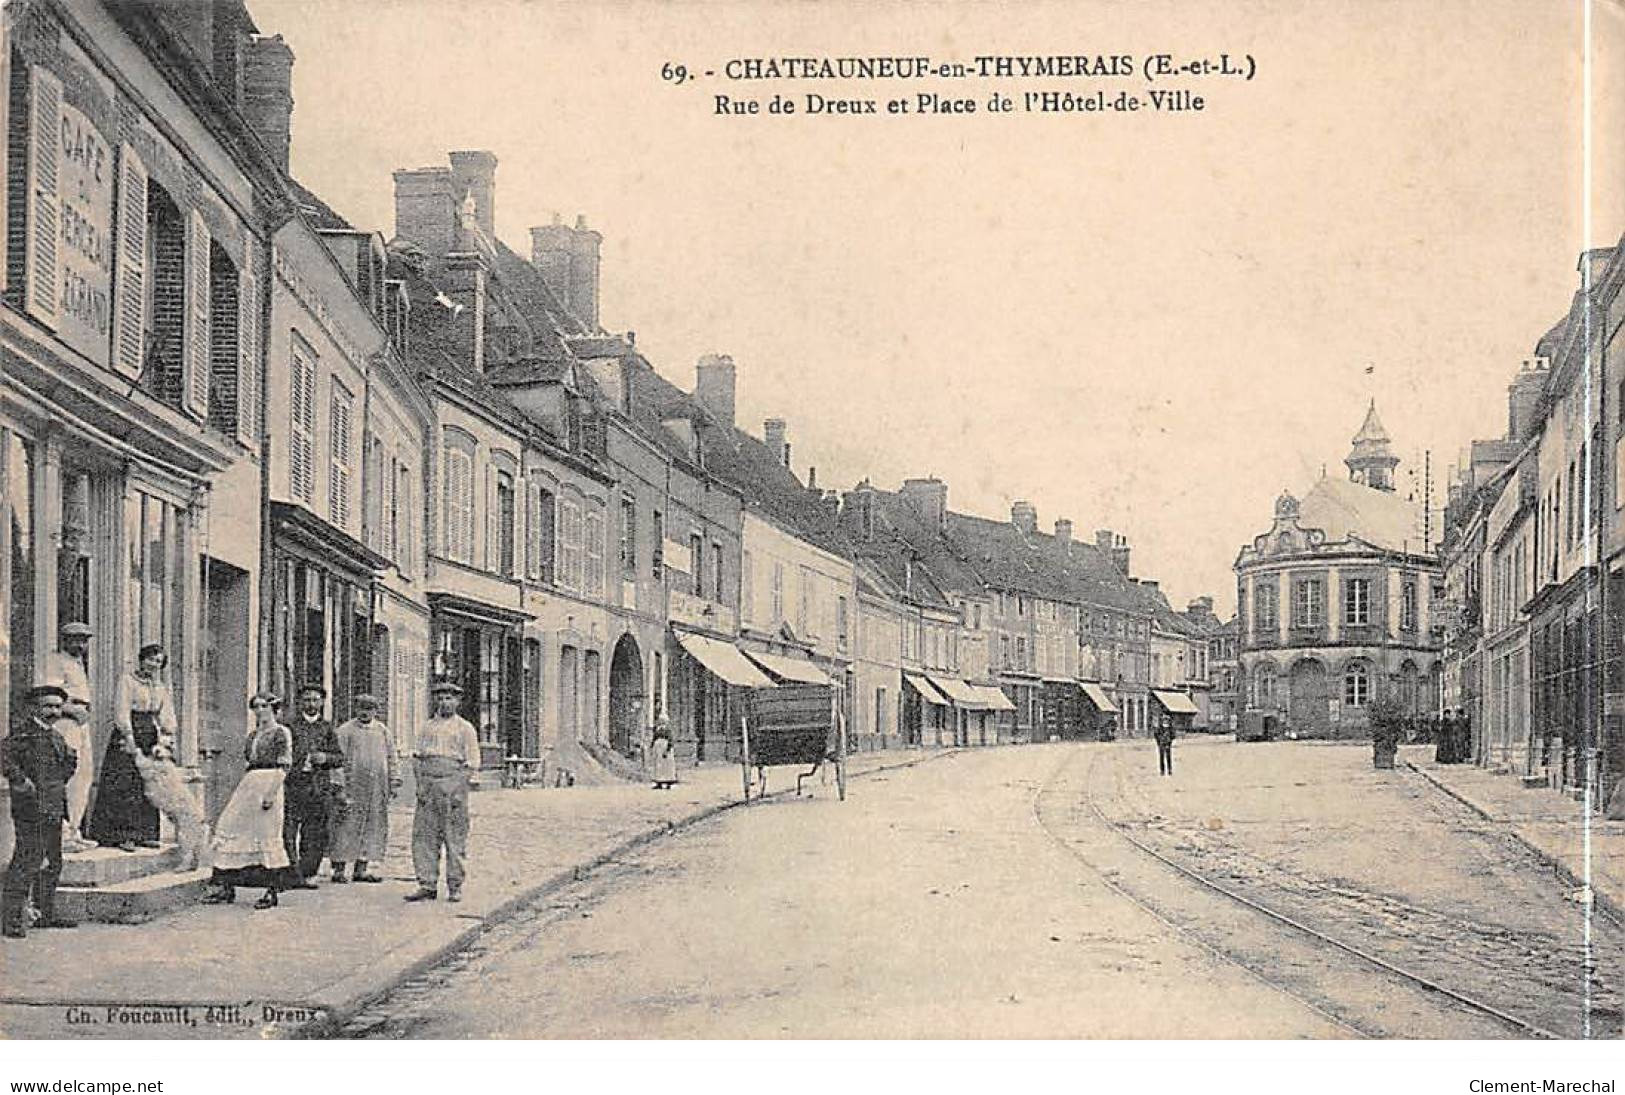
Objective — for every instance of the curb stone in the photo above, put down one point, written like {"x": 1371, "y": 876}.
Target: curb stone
{"x": 1605, "y": 902}
{"x": 349, "y": 996}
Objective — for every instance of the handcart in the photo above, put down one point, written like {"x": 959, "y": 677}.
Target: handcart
{"x": 799, "y": 724}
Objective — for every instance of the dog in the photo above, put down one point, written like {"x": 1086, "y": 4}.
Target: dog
{"x": 166, "y": 787}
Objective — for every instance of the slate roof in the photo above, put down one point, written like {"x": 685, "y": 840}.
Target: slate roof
{"x": 316, "y": 211}
{"x": 1344, "y": 509}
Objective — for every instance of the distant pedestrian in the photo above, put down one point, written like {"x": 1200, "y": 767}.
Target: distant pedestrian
{"x": 37, "y": 764}
{"x": 248, "y": 847}
{"x": 362, "y": 830}
{"x": 309, "y": 787}
{"x": 1164, "y": 733}
{"x": 445, "y": 763}
{"x": 663, "y": 760}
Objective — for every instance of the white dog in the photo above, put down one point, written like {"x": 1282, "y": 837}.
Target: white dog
{"x": 166, "y": 788}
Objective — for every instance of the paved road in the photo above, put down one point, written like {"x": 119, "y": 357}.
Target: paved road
{"x": 932, "y": 903}
{"x": 982, "y": 896}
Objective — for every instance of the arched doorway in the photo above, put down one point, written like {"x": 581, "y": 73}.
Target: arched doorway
{"x": 626, "y": 697}
{"x": 1309, "y": 712}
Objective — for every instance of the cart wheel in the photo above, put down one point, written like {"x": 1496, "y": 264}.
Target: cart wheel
{"x": 840, "y": 776}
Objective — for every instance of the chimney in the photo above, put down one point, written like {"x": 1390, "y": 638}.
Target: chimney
{"x": 476, "y": 175}
{"x": 831, "y": 502}
{"x": 1024, "y": 515}
{"x": 929, "y": 497}
{"x": 1104, "y": 538}
{"x": 714, "y": 377}
{"x": 1120, "y": 555}
{"x": 1201, "y": 607}
{"x": 268, "y": 94}
{"x": 1523, "y": 398}
{"x": 465, "y": 281}
{"x": 1148, "y": 583}
{"x": 773, "y": 437}
{"x": 858, "y": 509}
{"x": 1063, "y": 532}
{"x": 812, "y": 481}
{"x": 426, "y": 209}
{"x": 567, "y": 259}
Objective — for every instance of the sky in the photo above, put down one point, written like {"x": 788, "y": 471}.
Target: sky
{"x": 1150, "y": 322}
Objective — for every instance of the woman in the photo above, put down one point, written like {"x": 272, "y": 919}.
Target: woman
{"x": 248, "y": 848}
{"x": 665, "y": 761}
{"x": 144, "y": 718}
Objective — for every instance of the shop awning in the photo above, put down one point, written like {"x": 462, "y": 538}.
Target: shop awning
{"x": 1176, "y": 703}
{"x": 929, "y": 692}
{"x": 995, "y": 698}
{"x": 790, "y": 667}
{"x": 723, "y": 660}
{"x": 1097, "y": 696}
{"x": 959, "y": 692}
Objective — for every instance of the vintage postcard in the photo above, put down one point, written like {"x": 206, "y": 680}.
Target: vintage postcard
{"x": 773, "y": 521}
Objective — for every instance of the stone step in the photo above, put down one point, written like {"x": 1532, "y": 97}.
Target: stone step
{"x": 108, "y": 866}
{"x": 133, "y": 900}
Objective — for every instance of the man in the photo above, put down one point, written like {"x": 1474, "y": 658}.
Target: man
{"x": 37, "y": 764}
{"x": 370, "y": 781}
{"x": 446, "y": 762}
{"x": 308, "y": 788}
{"x": 1165, "y": 744}
{"x": 74, "y": 726}
{"x": 65, "y": 668}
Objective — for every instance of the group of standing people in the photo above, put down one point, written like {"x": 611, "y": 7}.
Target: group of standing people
{"x": 311, "y": 791}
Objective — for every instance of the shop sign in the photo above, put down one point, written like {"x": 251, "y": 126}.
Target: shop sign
{"x": 85, "y": 254}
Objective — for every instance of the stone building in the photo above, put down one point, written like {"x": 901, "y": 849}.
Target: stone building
{"x": 1338, "y": 600}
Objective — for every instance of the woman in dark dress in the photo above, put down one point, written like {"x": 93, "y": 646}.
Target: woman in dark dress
{"x": 248, "y": 848}
{"x": 144, "y": 717}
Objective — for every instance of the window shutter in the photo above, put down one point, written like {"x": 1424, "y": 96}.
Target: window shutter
{"x": 492, "y": 517}
{"x": 248, "y": 357}
{"x": 532, "y": 555}
{"x": 521, "y": 525}
{"x": 130, "y": 313}
{"x": 44, "y": 153}
{"x": 467, "y": 511}
{"x": 195, "y": 340}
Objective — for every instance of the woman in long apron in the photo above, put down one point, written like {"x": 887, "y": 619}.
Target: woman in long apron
{"x": 144, "y": 716}
{"x": 248, "y": 848}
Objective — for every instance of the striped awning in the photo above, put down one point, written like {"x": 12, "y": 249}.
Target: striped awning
{"x": 960, "y": 693}
{"x": 1176, "y": 703}
{"x": 994, "y": 698}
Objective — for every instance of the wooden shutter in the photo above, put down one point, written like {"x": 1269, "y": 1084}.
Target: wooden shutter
{"x": 44, "y": 155}
{"x": 493, "y": 519}
{"x": 195, "y": 336}
{"x": 248, "y": 356}
{"x": 130, "y": 288}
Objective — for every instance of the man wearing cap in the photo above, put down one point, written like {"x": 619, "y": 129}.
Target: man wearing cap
{"x": 307, "y": 792}
{"x": 370, "y": 780}
{"x": 36, "y": 763}
{"x": 445, "y": 762}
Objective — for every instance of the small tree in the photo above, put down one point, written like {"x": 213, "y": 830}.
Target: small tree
{"x": 1387, "y": 719}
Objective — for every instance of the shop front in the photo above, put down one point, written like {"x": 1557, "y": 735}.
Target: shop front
{"x": 482, "y": 648}
{"x": 709, "y": 684}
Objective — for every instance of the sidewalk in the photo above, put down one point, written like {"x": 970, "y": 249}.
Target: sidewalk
{"x": 1552, "y": 824}
{"x": 322, "y": 954}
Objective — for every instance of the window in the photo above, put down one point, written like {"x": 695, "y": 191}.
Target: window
{"x": 594, "y": 582}
{"x": 1356, "y": 685}
{"x": 696, "y": 562}
{"x": 570, "y": 543}
{"x": 804, "y": 591}
{"x": 302, "y": 423}
{"x": 777, "y": 590}
{"x": 1264, "y": 686}
{"x": 458, "y": 534}
{"x": 540, "y": 556}
{"x": 1266, "y": 607}
{"x": 339, "y": 443}
{"x": 658, "y": 534}
{"x": 506, "y": 517}
{"x": 976, "y": 616}
{"x": 224, "y": 360}
{"x": 717, "y": 576}
{"x": 1021, "y": 653}
{"x": 1308, "y": 603}
{"x": 840, "y": 623}
{"x": 1004, "y": 651}
{"x": 400, "y": 502}
{"x": 1407, "y": 605}
{"x": 629, "y": 537}
{"x": 747, "y": 592}
{"x": 880, "y": 711}
{"x": 1357, "y": 601}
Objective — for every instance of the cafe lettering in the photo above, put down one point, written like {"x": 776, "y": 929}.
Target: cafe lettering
{"x": 85, "y": 269}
